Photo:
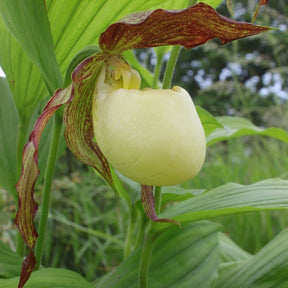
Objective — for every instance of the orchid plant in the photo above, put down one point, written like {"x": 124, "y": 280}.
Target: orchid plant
{"x": 155, "y": 137}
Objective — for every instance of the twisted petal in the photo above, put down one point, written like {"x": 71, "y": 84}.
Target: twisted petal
{"x": 190, "y": 27}
{"x": 27, "y": 206}
{"x": 79, "y": 133}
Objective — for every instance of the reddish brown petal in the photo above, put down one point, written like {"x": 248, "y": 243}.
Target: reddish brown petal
{"x": 148, "y": 203}
{"x": 263, "y": 2}
{"x": 79, "y": 133}
{"x": 27, "y": 206}
{"x": 190, "y": 27}
{"x": 27, "y": 268}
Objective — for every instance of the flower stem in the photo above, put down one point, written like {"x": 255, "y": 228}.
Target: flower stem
{"x": 47, "y": 187}
{"x": 148, "y": 245}
{"x": 146, "y": 258}
{"x": 130, "y": 232}
{"x": 157, "y": 70}
{"x": 173, "y": 59}
{"x": 170, "y": 67}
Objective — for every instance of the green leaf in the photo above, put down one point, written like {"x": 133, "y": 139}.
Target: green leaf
{"x": 231, "y": 198}
{"x": 230, "y": 251}
{"x": 29, "y": 24}
{"x": 190, "y": 256}
{"x": 50, "y": 278}
{"x": 84, "y": 21}
{"x": 10, "y": 262}
{"x": 9, "y": 120}
{"x": 209, "y": 122}
{"x": 267, "y": 269}
{"x": 213, "y": 3}
{"x": 176, "y": 193}
{"x": 24, "y": 79}
{"x": 237, "y": 127}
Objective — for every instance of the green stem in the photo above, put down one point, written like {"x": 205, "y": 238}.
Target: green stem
{"x": 141, "y": 232}
{"x": 170, "y": 67}
{"x": 146, "y": 258}
{"x": 130, "y": 232}
{"x": 173, "y": 59}
{"x": 47, "y": 187}
{"x": 157, "y": 70}
{"x": 20, "y": 244}
{"x": 148, "y": 245}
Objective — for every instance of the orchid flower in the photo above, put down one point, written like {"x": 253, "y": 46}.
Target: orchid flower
{"x": 154, "y": 137}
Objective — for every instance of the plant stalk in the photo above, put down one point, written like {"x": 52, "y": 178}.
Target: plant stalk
{"x": 157, "y": 70}
{"x": 130, "y": 232}
{"x": 171, "y": 67}
{"x": 47, "y": 187}
{"x": 146, "y": 259}
{"x": 173, "y": 59}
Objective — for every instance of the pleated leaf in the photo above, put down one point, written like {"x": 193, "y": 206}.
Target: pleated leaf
{"x": 230, "y": 251}
{"x": 231, "y": 198}
{"x": 50, "y": 278}
{"x": 209, "y": 122}
{"x": 267, "y": 269}
{"x": 24, "y": 79}
{"x": 10, "y": 262}
{"x": 190, "y": 256}
{"x": 29, "y": 24}
{"x": 9, "y": 121}
{"x": 237, "y": 127}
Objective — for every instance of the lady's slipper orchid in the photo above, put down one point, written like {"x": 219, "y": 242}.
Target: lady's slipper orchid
{"x": 152, "y": 136}
{"x": 157, "y": 132}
